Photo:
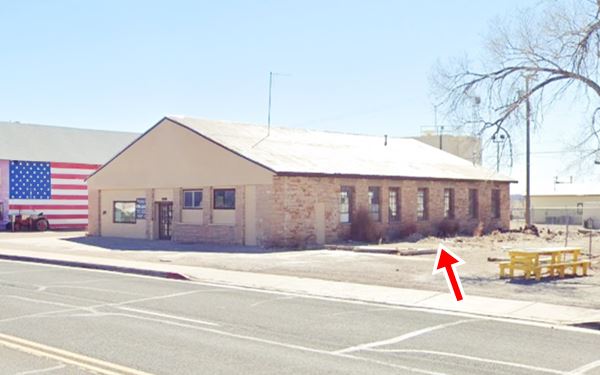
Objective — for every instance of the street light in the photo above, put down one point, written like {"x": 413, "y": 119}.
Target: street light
{"x": 498, "y": 139}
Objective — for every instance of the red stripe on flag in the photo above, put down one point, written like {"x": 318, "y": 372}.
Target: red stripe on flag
{"x": 68, "y": 187}
{"x": 67, "y": 176}
{"x": 41, "y": 207}
{"x": 69, "y": 197}
{"x": 74, "y": 165}
{"x": 66, "y": 216}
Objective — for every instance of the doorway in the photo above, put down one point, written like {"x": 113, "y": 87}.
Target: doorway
{"x": 165, "y": 220}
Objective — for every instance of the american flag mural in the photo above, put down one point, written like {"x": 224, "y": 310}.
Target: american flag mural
{"x": 58, "y": 190}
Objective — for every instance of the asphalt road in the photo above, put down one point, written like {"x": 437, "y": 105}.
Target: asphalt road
{"x": 56, "y": 320}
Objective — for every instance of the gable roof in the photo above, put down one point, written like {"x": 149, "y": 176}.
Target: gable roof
{"x": 302, "y": 151}
{"x": 60, "y": 144}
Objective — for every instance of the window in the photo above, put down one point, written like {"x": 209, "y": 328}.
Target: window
{"x": 422, "y": 204}
{"x": 124, "y": 212}
{"x": 394, "y": 204}
{"x": 224, "y": 199}
{"x": 374, "y": 203}
{"x": 449, "y": 203}
{"x": 192, "y": 199}
{"x": 496, "y": 203}
{"x": 346, "y": 196}
{"x": 473, "y": 203}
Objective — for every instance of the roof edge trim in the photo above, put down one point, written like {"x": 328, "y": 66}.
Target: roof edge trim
{"x": 126, "y": 148}
{"x": 220, "y": 144}
{"x": 372, "y": 177}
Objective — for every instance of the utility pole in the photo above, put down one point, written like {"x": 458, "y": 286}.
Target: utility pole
{"x": 440, "y": 129}
{"x": 528, "y": 151}
{"x": 497, "y": 139}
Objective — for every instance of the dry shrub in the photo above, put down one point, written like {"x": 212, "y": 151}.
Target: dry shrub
{"x": 479, "y": 230}
{"x": 447, "y": 228}
{"x": 363, "y": 227}
{"x": 408, "y": 230}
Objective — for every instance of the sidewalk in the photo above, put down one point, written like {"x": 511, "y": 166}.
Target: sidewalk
{"x": 483, "y": 306}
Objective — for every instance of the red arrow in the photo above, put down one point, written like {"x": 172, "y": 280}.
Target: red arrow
{"x": 446, "y": 259}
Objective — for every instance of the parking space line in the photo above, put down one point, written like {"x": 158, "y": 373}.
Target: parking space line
{"x": 168, "y": 316}
{"x": 91, "y": 309}
{"x": 470, "y": 358}
{"x": 404, "y": 337}
{"x": 282, "y": 298}
{"x": 42, "y": 370}
{"x": 281, "y": 344}
{"x": 585, "y": 368}
{"x": 91, "y": 289}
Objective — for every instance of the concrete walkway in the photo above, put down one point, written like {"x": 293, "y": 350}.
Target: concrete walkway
{"x": 482, "y": 306}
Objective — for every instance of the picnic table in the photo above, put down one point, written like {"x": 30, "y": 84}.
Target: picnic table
{"x": 554, "y": 260}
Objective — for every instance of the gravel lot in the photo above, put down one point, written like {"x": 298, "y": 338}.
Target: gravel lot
{"x": 479, "y": 276}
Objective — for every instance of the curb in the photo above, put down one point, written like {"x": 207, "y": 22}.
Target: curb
{"x": 96, "y": 266}
{"x": 381, "y": 250}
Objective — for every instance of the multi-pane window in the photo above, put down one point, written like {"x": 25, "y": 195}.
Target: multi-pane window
{"x": 192, "y": 199}
{"x": 375, "y": 203}
{"x": 496, "y": 203}
{"x": 346, "y": 204}
{"x": 124, "y": 212}
{"x": 394, "y": 204}
{"x": 224, "y": 199}
{"x": 422, "y": 204}
{"x": 449, "y": 203}
{"x": 473, "y": 203}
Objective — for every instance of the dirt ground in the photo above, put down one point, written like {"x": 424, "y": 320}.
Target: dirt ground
{"x": 479, "y": 275}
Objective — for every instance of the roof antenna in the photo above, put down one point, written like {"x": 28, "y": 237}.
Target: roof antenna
{"x": 271, "y": 74}
{"x": 269, "y": 115}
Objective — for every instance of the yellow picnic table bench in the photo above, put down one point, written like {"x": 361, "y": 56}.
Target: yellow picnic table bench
{"x": 555, "y": 260}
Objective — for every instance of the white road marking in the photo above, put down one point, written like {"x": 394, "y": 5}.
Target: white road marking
{"x": 45, "y": 302}
{"x": 470, "y": 358}
{"x": 169, "y": 316}
{"x": 359, "y": 311}
{"x": 90, "y": 309}
{"x": 90, "y": 288}
{"x": 404, "y": 337}
{"x": 41, "y": 371}
{"x": 280, "y": 344}
{"x": 585, "y": 368}
{"x": 222, "y": 285}
{"x": 271, "y": 300}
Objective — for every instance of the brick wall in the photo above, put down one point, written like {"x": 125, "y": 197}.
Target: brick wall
{"x": 295, "y": 199}
{"x": 229, "y": 234}
{"x": 209, "y": 232}
{"x": 189, "y": 233}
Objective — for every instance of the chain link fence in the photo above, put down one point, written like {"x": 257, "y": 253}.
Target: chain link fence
{"x": 588, "y": 217}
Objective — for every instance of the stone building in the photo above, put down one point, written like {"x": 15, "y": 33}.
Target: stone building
{"x": 194, "y": 180}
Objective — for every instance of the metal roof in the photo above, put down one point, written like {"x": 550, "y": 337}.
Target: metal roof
{"x": 60, "y": 144}
{"x": 568, "y": 190}
{"x": 303, "y": 151}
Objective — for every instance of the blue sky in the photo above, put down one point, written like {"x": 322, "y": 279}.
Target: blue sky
{"x": 351, "y": 66}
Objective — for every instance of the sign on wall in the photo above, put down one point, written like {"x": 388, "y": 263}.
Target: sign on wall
{"x": 140, "y": 208}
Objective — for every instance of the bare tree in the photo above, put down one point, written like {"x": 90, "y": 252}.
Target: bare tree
{"x": 556, "y": 47}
